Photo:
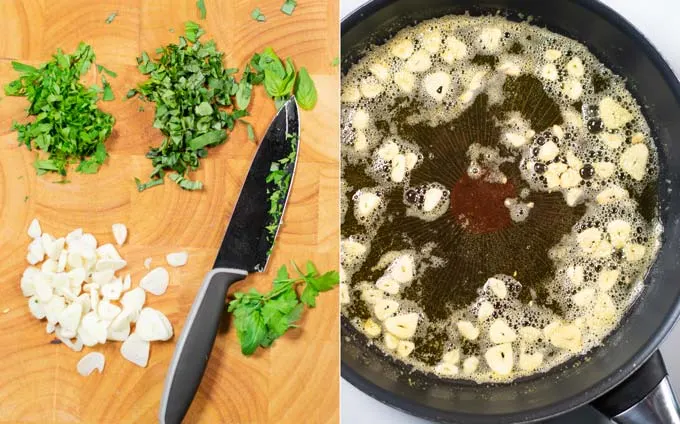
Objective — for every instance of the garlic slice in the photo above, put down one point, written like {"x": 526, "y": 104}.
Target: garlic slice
{"x": 90, "y": 362}
{"x": 156, "y": 282}
{"x": 135, "y": 350}
{"x": 120, "y": 233}
{"x": 177, "y": 259}
{"x": 500, "y": 359}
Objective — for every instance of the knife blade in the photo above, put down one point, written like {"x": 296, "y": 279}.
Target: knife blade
{"x": 246, "y": 247}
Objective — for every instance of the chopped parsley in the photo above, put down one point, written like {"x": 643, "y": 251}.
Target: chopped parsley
{"x": 111, "y": 17}
{"x": 261, "y": 318}
{"x": 68, "y": 126}
{"x": 201, "y": 8}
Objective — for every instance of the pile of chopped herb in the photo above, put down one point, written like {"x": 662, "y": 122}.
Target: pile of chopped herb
{"x": 278, "y": 180}
{"x": 68, "y": 125}
{"x": 198, "y": 100}
{"x": 262, "y": 318}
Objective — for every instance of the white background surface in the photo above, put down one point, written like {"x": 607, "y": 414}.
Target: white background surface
{"x": 658, "y": 21}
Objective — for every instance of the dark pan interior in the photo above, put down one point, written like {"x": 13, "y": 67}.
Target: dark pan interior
{"x": 627, "y": 53}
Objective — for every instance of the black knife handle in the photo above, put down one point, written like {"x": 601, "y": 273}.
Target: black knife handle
{"x": 195, "y": 343}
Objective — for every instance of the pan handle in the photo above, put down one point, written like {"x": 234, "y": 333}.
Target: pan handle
{"x": 645, "y": 397}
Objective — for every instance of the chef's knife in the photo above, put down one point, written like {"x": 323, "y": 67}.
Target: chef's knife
{"x": 245, "y": 248}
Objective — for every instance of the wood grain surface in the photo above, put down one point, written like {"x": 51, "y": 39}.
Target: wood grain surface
{"x": 297, "y": 379}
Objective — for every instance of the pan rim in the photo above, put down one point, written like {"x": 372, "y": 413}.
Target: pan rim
{"x": 636, "y": 360}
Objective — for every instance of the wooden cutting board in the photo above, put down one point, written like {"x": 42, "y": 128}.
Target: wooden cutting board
{"x": 294, "y": 381}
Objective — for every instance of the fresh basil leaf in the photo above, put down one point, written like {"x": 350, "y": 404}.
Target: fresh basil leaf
{"x": 101, "y": 68}
{"x": 211, "y": 138}
{"x": 151, "y": 183}
{"x": 204, "y": 109}
{"x": 193, "y": 31}
{"x": 108, "y": 92}
{"x": 23, "y": 68}
{"x": 244, "y": 93}
{"x": 305, "y": 92}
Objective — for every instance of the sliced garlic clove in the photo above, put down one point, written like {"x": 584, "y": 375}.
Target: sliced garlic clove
{"x": 613, "y": 115}
{"x": 501, "y": 332}
{"x": 107, "y": 311}
{"x": 398, "y": 172}
{"x": 43, "y": 290}
{"x": 120, "y": 233}
{"x": 468, "y": 330}
{"x": 380, "y": 71}
{"x": 367, "y": 202}
{"x": 611, "y": 194}
{"x": 607, "y": 279}
{"x": 388, "y": 151}
{"x": 350, "y": 95}
{"x": 509, "y": 68}
{"x": 385, "y": 308}
{"x": 388, "y": 285}
{"x": 404, "y": 348}
{"x": 402, "y": 49}
{"x": 402, "y": 269}
{"x": 604, "y": 169}
{"x": 411, "y": 160}
{"x": 566, "y": 337}
{"x": 156, "y": 282}
{"x": 570, "y": 178}
{"x": 451, "y": 357}
{"x": 634, "y": 252}
{"x": 344, "y": 294}
{"x": 432, "y": 41}
{"x": 418, "y": 62}
{"x": 455, "y": 50}
{"x": 360, "y": 142}
{"x": 446, "y": 369}
{"x": 177, "y": 259}
{"x": 437, "y": 85}
{"x": 500, "y": 359}
{"x": 34, "y": 230}
{"x": 589, "y": 239}
{"x": 552, "y": 55}
{"x": 135, "y": 350}
{"x": 37, "y": 309}
{"x": 619, "y": 232}
{"x": 549, "y": 72}
{"x": 497, "y": 287}
{"x": 69, "y": 318}
{"x": 612, "y": 140}
{"x": 548, "y": 151}
{"x": 583, "y": 297}
{"x": 530, "y": 362}
{"x": 515, "y": 140}
{"x": 402, "y": 326}
{"x": 604, "y": 250}
{"x": 110, "y": 264}
{"x": 90, "y": 362}
{"x": 572, "y": 89}
{"x": 634, "y": 161}
{"x": 133, "y": 301}
{"x": 360, "y": 119}
{"x": 529, "y": 334}
{"x": 391, "y": 341}
{"x": 372, "y": 328}
{"x": 432, "y": 198}
{"x": 371, "y": 296}
{"x": 127, "y": 282}
{"x": 107, "y": 251}
{"x": 573, "y": 196}
{"x": 575, "y": 67}
{"x": 406, "y": 81}
{"x": 485, "y": 310}
{"x": 153, "y": 326}
{"x": 489, "y": 39}
{"x": 470, "y": 365}
{"x": 371, "y": 89}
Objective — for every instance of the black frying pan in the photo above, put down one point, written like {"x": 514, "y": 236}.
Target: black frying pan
{"x": 625, "y": 378}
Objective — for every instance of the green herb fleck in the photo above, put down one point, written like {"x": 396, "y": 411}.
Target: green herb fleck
{"x": 151, "y": 183}
{"x": 288, "y": 7}
{"x": 102, "y": 68}
{"x": 278, "y": 184}
{"x": 172, "y": 30}
{"x": 335, "y": 61}
{"x": 25, "y": 199}
{"x": 201, "y": 7}
{"x": 250, "y": 130}
{"x": 111, "y": 17}
{"x": 108, "y": 92}
{"x": 67, "y": 125}
{"x": 140, "y": 109}
{"x": 257, "y": 15}
{"x": 261, "y": 318}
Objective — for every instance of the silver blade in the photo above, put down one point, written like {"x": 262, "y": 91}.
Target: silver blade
{"x": 248, "y": 243}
